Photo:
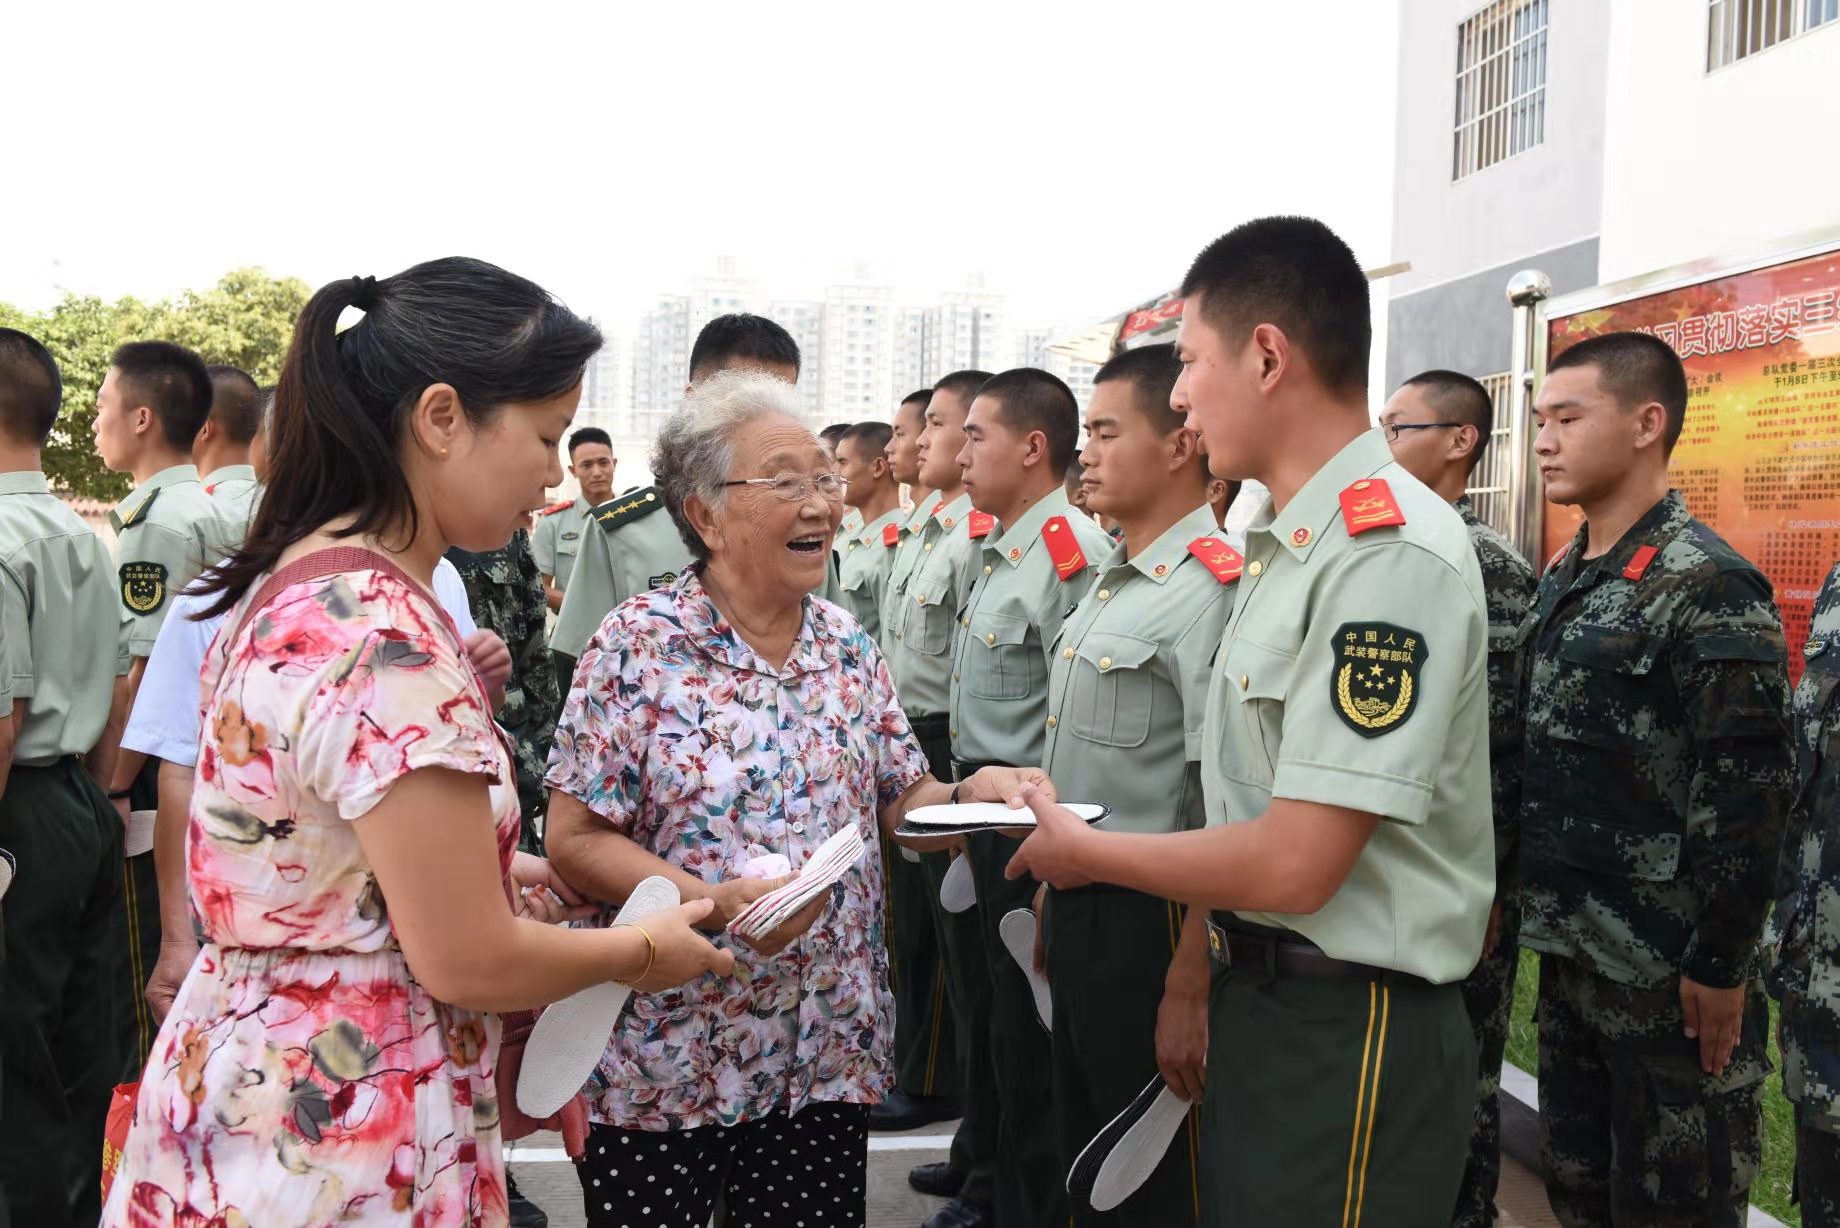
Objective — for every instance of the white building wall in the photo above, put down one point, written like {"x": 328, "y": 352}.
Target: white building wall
{"x": 1712, "y": 164}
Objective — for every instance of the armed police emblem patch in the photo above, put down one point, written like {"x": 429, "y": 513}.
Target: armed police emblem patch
{"x": 143, "y": 586}
{"x": 1377, "y": 669}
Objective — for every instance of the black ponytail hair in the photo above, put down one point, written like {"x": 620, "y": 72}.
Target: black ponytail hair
{"x": 341, "y": 407}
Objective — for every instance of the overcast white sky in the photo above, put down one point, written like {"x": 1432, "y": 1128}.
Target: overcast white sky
{"x": 1077, "y": 155}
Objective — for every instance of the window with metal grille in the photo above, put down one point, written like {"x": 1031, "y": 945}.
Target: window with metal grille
{"x": 1489, "y": 484}
{"x": 1737, "y": 29}
{"x": 1501, "y": 84}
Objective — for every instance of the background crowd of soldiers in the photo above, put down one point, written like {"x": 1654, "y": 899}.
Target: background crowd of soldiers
{"x": 1072, "y": 606}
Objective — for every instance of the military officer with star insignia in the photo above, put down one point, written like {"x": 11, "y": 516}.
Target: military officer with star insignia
{"x": 153, "y": 401}
{"x": 1127, "y": 686}
{"x": 1020, "y": 436}
{"x": 1348, "y": 854}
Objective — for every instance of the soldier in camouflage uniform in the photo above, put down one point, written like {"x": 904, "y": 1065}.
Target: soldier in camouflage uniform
{"x": 1438, "y": 424}
{"x": 1657, "y": 773}
{"x": 1807, "y": 975}
{"x": 506, "y": 593}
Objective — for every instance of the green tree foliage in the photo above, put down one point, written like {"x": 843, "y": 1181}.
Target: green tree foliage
{"x": 245, "y": 320}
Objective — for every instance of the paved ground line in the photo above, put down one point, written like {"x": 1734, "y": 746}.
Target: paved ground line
{"x": 903, "y": 1142}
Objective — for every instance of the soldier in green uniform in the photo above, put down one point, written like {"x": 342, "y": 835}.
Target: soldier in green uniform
{"x": 903, "y": 453}
{"x": 505, "y": 591}
{"x": 875, "y": 497}
{"x": 61, "y": 1043}
{"x": 1807, "y": 920}
{"x": 1020, "y": 436}
{"x": 221, "y": 453}
{"x": 1658, "y": 773}
{"x": 152, "y": 403}
{"x": 929, "y": 582}
{"x": 1127, "y": 686}
{"x": 1438, "y": 424}
{"x": 560, "y": 531}
{"x": 1344, "y": 767}
{"x": 632, "y": 549}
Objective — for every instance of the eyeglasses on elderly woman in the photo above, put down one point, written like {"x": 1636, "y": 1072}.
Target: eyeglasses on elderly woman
{"x": 796, "y": 487}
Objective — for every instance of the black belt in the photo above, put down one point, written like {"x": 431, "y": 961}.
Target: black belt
{"x": 1233, "y": 943}
{"x": 929, "y": 728}
{"x": 963, "y": 769}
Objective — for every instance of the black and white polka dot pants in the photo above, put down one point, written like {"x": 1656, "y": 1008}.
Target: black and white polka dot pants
{"x": 808, "y": 1171}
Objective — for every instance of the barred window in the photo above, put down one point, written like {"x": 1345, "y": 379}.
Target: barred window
{"x": 1501, "y": 84}
{"x": 1737, "y": 29}
{"x": 1492, "y": 482}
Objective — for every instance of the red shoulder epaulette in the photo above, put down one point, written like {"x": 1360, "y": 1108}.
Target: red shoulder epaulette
{"x": 1218, "y": 557}
{"x": 1369, "y": 504}
{"x": 891, "y": 535}
{"x": 1639, "y": 561}
{"x": 1063, "y": 548}
{"x": 553, "y": 508}
{"x": 981, "y": 524}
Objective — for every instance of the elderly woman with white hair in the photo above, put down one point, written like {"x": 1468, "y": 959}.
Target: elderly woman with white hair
{"x": 718, "y": 722}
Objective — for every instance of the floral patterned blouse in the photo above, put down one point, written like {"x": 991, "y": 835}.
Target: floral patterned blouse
{"x": 689, "y": 744}
{"x": 303, "y": 1076}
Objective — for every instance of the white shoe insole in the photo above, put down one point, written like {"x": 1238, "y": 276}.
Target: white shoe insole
{"x": 1017, "y": 929}
{"x": 957, "y": 891}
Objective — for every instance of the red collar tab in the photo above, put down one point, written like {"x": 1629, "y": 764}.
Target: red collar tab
{"x": 1639, "y": 561}
{"x": 211, "y": 489}
{"x": 1218, "y": 557}
{"x": 891, "y": 534}
{"x": 1063, "y": 548}
{"x": 1369, "y": 504}
{"x": 981, "y": 524}
{"x": 936, "y": 508}
{"x": 553, "y": 508}
{"x": 1558, "y": 557}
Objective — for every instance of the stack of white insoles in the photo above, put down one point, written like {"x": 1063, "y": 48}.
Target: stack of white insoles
{"x": 821, "y": 871}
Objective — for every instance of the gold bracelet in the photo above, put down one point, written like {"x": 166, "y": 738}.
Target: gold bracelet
{"x": 651, "y": 947}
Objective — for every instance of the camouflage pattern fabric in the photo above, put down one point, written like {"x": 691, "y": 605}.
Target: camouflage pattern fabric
{"x": 1807, "y": 974}
{"x": 1658, "y": 766}
{"x": 1488, "y": 992}
{"x": 1631, "y": 1132}
{"x": 505, "y": 590}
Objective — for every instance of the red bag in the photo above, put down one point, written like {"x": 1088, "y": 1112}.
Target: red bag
{"x": 115, "y": 1131}
{"x": 514, "y": 1124}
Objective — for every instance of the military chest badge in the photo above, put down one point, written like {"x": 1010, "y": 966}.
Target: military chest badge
{"x": 143, "y": 586}
{"x": 1377, "y": 668}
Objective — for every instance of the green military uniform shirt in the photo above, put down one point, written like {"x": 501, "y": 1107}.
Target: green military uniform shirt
{"x": 631, "y": 546}
{"x": 557, "y": 541}
{"x": 1023, "y": 586}
{"x": 907, "y": 555}
{"x": 867, "y": 558}
{"x": 233, "y": 489}
{"x": 166, "y": 532}
{"x": 58, "y": 603}
{"x": 1128, "y": 680}
{"x": 1354, "y": 673}
{"x": 921, "y": 611}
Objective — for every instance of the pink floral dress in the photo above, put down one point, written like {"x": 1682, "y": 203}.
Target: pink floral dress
{"x": 304, "y": 1077}
{"x": 689, "y": 744}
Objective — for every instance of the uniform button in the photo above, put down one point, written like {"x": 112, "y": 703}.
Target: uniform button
{"x": 923, "y": 601}
{"x": 1243, "y": 682}
{"x": 1066, "y": 654}
{"x": 1051, "y": 722}
{"x": 928, "y": 546}
{"x": 1105, "y": 594}
{"x": 1105, "y": 663}
{"x": 798, "y": 829}
{"x": 964, "y": 622}
{"x": 987, "y": 569}
{"x": 991, "y": 638}
{"x": 955, "y": 733}
{"x": 897, "y": 635}
{"x": 955, "y": 677}
{"x": 1254, "y": 567}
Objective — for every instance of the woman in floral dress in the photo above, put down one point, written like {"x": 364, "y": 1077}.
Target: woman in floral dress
{"x": 724, "y": 719}
{"x": 330, "y": 1057}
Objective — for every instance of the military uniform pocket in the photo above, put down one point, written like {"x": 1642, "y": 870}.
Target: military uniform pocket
{"x": 1705, "y": 1142}
{"x": 1614, "y": 684}
{"x": 1259, "y": 679}
{"x": 998, "y": 663}
{"x": 1111, "y": 689}
{"x": 930, "y": 619}
{"x": 1617, "y": 850}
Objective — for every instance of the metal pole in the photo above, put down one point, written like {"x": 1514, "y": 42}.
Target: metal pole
{"x": 1526, "y": 290}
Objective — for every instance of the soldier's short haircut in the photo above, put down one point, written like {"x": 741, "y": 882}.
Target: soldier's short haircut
{"x": 171, "y": 381}
{"x": 589, "y": 434}
{"x": 1635, "y": 368}
{"x": 920, "y": 396}
{"x": 31, "y": 389}
{"x": 1030, "y": 399}
{"x": 834, "y": 433}
{"x": 1298, "y": 274}
{"x": 871, "y": 435}
{"x": 1458, "y": 398}
{"x": 962, "y": 384}
{"x": 740, "y": 336}
{"x": 236, "y": 403}
{"x": 1152, "y": 371}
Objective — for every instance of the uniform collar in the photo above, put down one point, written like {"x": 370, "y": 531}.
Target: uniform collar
{"x": 24, "y": 482}
{"x": 953, "y": 513}
{"x": 1658, "y": 526}
{"x": 1465, "y": 508}
{"x": 871, "y": 534}
{"x": 230, "y": 473}
{"x": 923, "y": 509}
{"x": 1159, "y": 560}
{"x": 582, "y": 505}
{"x": 1014, "y": 545}
{"x": 816, "y": 648}
{"x": 1317, "y": 506}
{"x": 172, "y": 475}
